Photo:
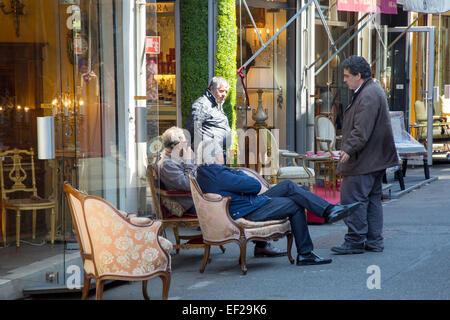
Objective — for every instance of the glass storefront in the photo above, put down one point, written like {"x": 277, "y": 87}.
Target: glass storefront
{"x": 31, "y": 77}
{"x": 74, "y": 61}
{"x": 275, "y": 64}
{"x": 413, "y": 74}
{"x": 331, "y": 93}
{"x": 161, "y": 68}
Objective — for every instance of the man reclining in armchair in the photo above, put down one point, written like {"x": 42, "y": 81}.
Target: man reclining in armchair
{"x": 284, "y": 200}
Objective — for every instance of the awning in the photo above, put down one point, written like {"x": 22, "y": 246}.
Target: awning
{"x": 381, "y": 6}
{"x": 426, "y": 6}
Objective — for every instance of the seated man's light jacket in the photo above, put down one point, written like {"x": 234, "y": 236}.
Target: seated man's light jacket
{"x": 242, "y": 189}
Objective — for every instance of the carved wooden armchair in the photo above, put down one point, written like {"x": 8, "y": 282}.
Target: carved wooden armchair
{"x": 18, "y": 179}
{"x": 219, "y": 228}
{"x": 116, "y": 246}
{"x": 172, "y": 214}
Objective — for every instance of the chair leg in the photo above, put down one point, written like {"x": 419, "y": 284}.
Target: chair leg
{"x": 17, "y": 228}
{"x": 177, "y": 238}
{"x": 399, "y": 176}
{"x": 98, "y": 289}
{"x": 86, "y": 284}
{"x": 426, "y": 169}
{"x": 205, "y": 258}
{"x": 33, "y": 236}
{"x": 166, "y": 285}
{"x": 222, "y": 248}
{"x": 290, "y": 238}
{"x": 52, "y": 226}
{"x": 4, "y": 226}
{"x": 243, "y": 248}
{"x": 144, "y": 290}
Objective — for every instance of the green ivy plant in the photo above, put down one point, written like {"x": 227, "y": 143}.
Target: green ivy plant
{"x": 226, "y": 53}
{"x": 194, "y": 52}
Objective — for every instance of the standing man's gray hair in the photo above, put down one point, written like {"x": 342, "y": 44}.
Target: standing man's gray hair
{"x": 217, "y": 81}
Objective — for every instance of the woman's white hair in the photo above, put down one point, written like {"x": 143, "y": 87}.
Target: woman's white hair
{"x": 207, "y": 151}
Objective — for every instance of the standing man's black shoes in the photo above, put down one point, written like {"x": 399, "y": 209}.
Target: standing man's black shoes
{"x": 349, "y": 248}
{"x": 339, "y": 211}
{"x": 311, "y": 259}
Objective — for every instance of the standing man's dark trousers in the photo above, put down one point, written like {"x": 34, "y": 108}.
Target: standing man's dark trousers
{"x": 365, "y": 226}
{"x": 289, "y": 200}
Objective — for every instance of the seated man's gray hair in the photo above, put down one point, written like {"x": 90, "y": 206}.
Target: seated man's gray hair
{"x": 216, "y": 82}
{"x": 207, "y": 151}
{"x": 172, "y": 136}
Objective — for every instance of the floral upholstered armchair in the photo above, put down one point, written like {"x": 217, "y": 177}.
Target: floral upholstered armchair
{"x": 219, "y": 228}
{"x": 117, "y": 246}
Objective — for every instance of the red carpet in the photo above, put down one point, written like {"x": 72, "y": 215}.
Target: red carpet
{"x": 327, "y": 195}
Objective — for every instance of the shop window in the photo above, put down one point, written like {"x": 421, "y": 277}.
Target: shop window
{"x": 276, "y": 62}
{"x": 161, "y": 67}
{"x": 331, "y": 93}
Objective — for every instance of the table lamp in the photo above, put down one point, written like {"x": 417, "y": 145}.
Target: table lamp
{"x": 260, "y": 78}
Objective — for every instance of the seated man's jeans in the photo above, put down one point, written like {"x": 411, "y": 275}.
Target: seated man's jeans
{"x": 289, "y": 200}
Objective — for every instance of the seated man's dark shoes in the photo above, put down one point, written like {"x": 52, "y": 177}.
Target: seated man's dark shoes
{"x": 349, "y": 248}
{"x": 311, "y": 259}
{"x": 269, "y": 251}
{"x": 340, "y": 211}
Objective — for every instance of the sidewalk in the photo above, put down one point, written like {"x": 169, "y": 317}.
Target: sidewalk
{"x": 414, "y": 265}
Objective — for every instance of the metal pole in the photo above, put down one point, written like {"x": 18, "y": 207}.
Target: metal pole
{"x": 253, "y": 22}
{"x": 338, "y": 40}
{"x": 396, "y": 39}
{"x": 429, "y": 98}
{"x": 276, "y": 34}
{"x": 325, "y": 25}
{"x": 345, "y": 44}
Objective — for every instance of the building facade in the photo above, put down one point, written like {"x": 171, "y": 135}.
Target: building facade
{"x": 112, "y": 75}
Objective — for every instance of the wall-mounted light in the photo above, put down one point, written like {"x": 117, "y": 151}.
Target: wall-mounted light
{"x": 15, "y": 8}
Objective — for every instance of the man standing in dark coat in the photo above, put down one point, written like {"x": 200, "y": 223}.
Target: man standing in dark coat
{"x": 368, "y": 148}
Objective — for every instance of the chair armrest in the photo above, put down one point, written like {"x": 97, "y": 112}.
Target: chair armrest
{"x": 140, "y": 221}
{"x": 212, "y": 196}
{"x": 323, "y": 140}
{"x": 291, "y": 154}
{"x": 174, "y": 193}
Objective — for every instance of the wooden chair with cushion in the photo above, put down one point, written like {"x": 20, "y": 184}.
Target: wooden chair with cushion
{"x": 288, "y": 165}
{"x": 219, "y": 228}
{"x": 172, "y": 214}
{"x": 19, "y": 191}
{"x": 325, "y": 135}
{"x": 116, "y": 246}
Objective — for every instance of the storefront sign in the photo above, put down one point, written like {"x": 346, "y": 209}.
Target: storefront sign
{"x": 77, "y": 45}
{"x": 152, "y": 44}
{"x": 383, "y": 6}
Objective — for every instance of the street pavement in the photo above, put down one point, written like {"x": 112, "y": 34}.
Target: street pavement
{"x": 415, "y": 264}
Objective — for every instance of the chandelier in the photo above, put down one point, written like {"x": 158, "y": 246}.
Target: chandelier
{"x": 15, "y": 8}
